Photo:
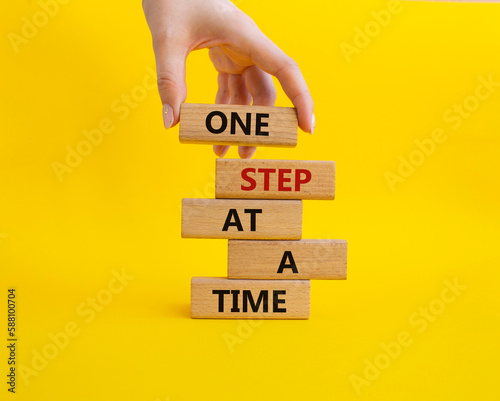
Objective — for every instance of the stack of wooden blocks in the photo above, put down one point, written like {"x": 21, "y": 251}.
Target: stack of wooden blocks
{"x": 258, "y": 208}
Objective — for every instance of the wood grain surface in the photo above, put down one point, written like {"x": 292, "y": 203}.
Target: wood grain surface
{"x": 214, "y": 297}
{"x": 238, "y": 125}
{"x": 304, "y": 259}
{"x": 241, "y": 218}
{"x": 274, "y": 179}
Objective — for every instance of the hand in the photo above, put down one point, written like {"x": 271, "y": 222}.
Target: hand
{"x": 243, "y": 56}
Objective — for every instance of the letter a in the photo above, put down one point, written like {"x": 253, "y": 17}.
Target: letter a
{"x": 236, "y": 222}
{"x": 284, "y": 265}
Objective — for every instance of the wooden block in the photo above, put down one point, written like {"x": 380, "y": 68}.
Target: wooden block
{"x": 274, "y": 179}
{"x": 214, "y": 297}
{"x": 305, "y": 259}
{"x": 223, "y": 124}
{"x": 241, "y": 218}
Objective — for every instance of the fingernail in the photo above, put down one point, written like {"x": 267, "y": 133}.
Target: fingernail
{"x": 313, "y": 123}
{"x": 168, "y": 116}
{"x": 246, "y": 152}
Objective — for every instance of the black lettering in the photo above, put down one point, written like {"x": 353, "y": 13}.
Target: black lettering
{"x": 283, "y": 265}
{"x": 277, "y": 301}
{"x": 208, "y": 122}
{"x": 259, "y": 124}
{"x": 235, "y": 301}
{"x": 221, "y": 298}
{"x": 235, "y": 118}
{"x": 253, "y": 217}
{"x": 237, "y": 223}
{"x": 247, "y": 297}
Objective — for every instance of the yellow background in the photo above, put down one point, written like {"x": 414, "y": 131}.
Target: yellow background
{"x": 120, "y": 209}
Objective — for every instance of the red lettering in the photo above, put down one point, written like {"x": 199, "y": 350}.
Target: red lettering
{"x": 298, "y": 180}
{"x": 250, "y": 180}
{"x": 267, "y": 172}
{"x": 282, "y": 179}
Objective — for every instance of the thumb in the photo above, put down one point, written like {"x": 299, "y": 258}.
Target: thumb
{"x": 171, "y": 74}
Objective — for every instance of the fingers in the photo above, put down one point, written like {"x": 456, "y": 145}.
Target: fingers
{"x": 223, "y": 97}
{"x": 295, "y": 87}
{"x": 260, "y": 85}
{"x": 238, "y": 90}
{"x": 233, "y": 89}
{"x": 246, "y": 152}
{"x": 223, "y": 63}
{"x": 221, "y": 150}
{"x": 171, "y": 73}
{"x": 241, "y": 95}
{"x": 270, "y": 58}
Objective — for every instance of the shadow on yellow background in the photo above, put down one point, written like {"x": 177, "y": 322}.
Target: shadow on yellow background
{"x": 407, "y": 106}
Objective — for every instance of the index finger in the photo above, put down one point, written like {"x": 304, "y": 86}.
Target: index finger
{"x": 270, "y": 58}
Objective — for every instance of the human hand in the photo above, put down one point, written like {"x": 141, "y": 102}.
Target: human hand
{"x": 243, "y": 56}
